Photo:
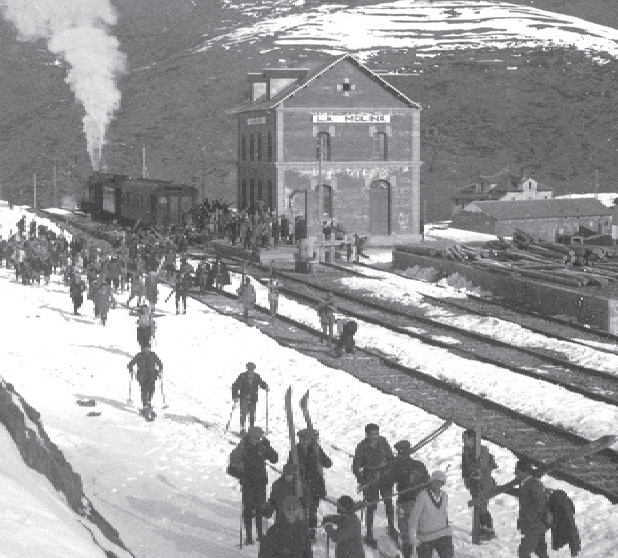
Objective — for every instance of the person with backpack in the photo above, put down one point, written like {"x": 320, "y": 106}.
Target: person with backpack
{"x": 429, "y": 521}
{"x": 245, "y": 390}
{"x": 248, "y": 465}
{"x": 476, "y": 474}
{"x": 531, "y": 521}
{"x": 145, "y": 326}
{"x": 149, "y": 369}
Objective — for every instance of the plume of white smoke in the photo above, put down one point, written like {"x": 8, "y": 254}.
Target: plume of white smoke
{"x": 78, "y": 32}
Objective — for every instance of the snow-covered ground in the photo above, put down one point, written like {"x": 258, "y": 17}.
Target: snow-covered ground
{"x": 426, "y": 26}
{"x": 163, "y": 484}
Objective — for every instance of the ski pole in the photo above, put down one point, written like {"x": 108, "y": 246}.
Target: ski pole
{"x": 241, "y": 518}
{"x": 130, "y": 401}
{"x": 266, "y": 412}
{"x": 327, "y": 546}
{"x": 163, "y": 395}
{"x": 227, "y": 426}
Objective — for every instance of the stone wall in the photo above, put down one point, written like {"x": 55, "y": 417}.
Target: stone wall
{"x": 587, "y": 308}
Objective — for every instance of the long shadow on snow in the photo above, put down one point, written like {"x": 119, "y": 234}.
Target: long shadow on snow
{"x": 112, "y": 350}
{"x": 67, "y": 315}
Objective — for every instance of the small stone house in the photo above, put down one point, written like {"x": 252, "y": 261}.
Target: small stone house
{"x": 542, "y": 219}
{"x": 502, "y": 186}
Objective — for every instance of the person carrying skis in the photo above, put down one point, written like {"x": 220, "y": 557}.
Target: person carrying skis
{"x": 476, "y": 474}
{"x": 429, "y": 521}
{"x": 407, "y": 472}
{"x": 145, "y": 326}
{"x": 372, "y": 458}
{"x": 345, "y": 530}
{"x": 288, "y": 536}
{"x": 531, "y": 506}
{"x": 246, "y": 295}
{"x": 248, "y": 464}
{"x": 76, "y": 290}
{"x": 311, "y": 461}
{"x": 284, "y": 486}
{"x": 149, "y": 369}
{"x": 245, "y": 390}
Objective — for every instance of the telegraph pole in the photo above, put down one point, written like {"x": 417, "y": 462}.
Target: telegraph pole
{"x": 34, "y": 206}
{"x": 55, "y": 185}
{"x": 320, "y": 191}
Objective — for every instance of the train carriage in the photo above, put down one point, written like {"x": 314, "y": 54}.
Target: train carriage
{"x": 133, "y": 200}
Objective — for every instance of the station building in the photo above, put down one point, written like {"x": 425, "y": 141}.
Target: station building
{"x": 332, "y": 134}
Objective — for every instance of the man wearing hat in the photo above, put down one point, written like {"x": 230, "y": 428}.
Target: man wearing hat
{"x": 429, "y": 520}
{"x": 346, "y": 531}
{"x": 372, "y": 459}
{"x": 476, "y": 474}
{"x": 288, "y": 536}
{"x": 250, "y": 457}
{"x": 311, "y": 461}
{"x": 531, "y": 506}
{"x": 245, "y": 389}
{"x": 407, "y": 473}
{"x": 284, "y": 486}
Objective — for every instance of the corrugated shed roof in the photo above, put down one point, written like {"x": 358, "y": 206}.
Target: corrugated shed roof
{"x": 539, "y": 209}
{"x": 315, "y": 69}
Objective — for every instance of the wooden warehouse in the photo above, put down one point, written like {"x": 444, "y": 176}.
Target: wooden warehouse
{"x": 333, "y": 134}
{"x": 542, "y": 219}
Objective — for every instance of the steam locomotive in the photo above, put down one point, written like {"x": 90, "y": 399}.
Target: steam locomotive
{"x": 145, "y": 201}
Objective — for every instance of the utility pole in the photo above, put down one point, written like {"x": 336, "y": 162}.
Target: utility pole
{"x": 55, "y": 185}
{"x": 596, "y": 183}
{"x": 320, "y": 191}
{"x": 144, "y": 170}
{"x": 34, "y": 196}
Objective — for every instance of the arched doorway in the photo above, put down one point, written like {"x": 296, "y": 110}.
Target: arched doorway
{"x": 379, "y": 208}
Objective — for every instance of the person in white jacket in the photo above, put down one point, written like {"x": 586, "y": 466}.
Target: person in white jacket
{"x": 429, "y": 520}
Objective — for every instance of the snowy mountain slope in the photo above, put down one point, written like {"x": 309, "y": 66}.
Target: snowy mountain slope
{"x": 427, "y": 27}
{"x": 163, "y": 485}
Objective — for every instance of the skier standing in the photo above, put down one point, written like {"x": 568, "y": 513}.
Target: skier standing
{"x": 273, "y": 297}
{"x": 76, "y": 290}
{"x": 347, "y": 533}
{"x": 476, "y": 474}
{"x": 372, "y": 458}
{"x": 151, "y": 286}
{"x": 137, "y": 288}
{"x": 248, "y": 460}
{"x": 105, "y": 300}
{"x": 246, "y": 294}
{"x": 183, "y": 281}
{"x": 429, "y": 521}
{"x": 245, "y": 389}
{"x": 284, "y": 486}
{"x": 326, "y": 313}
{"x": 311, "y": 460}
{"x": 149, "y": 369}
{"x": 531, "y": 505}
{"x": 145, "y": 326}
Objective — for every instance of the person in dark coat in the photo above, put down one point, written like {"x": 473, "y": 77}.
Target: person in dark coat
{"x": 563, "y": 528}
{"x": 326, "y": 313}
{"x": 311, "y": 461}
{"x": 247, "y": 297}
{"x": 151, "y": 288}
{"x": 284, "y": 486}
{"x": 531, "y": 505}
{"x": 407, "y": 473}
{"x": 245, "y": 390}
{"x": 149, "y": 369}
{"x": 76, "y": 290}
{"x": 346, "y": 340}
{"x": 288, "y": 536}
{"x": 345, "y": 530}
{"x": 477, "y": 476}
{"x": 145, "y": 326}
{"x": 372, "y": 459}
{"x": 248, "y": 459}
{"x": 105, "y": 300}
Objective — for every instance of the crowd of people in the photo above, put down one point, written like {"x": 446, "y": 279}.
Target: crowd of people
{"x": 418, "y": 519}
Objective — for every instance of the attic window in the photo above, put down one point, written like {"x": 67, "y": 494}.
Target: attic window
{"x": 346, "y": 87}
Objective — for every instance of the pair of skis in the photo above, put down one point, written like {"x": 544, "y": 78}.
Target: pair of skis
{"x": 292, "y": 431}
{"x": 587, "y": 449}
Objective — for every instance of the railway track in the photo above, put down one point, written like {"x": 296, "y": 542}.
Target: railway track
{"x": 597, "y": 385}
{"x": 489, "y": 307}
{"x": 523, "y": 435}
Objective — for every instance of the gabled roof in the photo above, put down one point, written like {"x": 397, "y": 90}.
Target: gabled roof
{"x": 540, "y": 209}
{"x": 314, "y": 70}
